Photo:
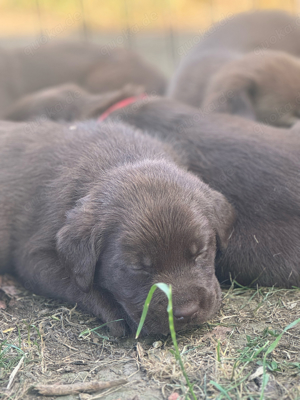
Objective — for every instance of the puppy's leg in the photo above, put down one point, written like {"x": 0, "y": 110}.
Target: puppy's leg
{"x": 105, "y": 308}
{"x": 45, "y": 276}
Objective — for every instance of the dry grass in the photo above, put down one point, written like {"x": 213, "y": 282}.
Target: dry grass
{"x": 220, "y": 357}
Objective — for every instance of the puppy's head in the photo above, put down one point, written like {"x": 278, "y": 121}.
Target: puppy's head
{"x": 150, "y": 222}
{"x": 263, "y": 87}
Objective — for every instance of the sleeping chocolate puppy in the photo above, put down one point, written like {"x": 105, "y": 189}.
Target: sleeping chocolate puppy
{"x": 255, "y": 166}
{"x": 242, "y": 66}
{"x": 67, "y": 102}
{"x": 264, "y": 87}
{"x": 94, "y": 214}
{"x": 95, "y": 68}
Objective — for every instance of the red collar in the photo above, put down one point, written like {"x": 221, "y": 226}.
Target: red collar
{"x": 120, "y": 104}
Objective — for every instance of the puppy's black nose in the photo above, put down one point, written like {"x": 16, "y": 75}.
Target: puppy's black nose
{"x": 185, "y": 312}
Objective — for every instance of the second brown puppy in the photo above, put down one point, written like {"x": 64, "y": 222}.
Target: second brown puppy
{"x": 245, "y": 65}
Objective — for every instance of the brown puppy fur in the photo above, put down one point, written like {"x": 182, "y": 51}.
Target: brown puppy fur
{"x": 67, "y": 102}
{"x": 95, "y": 68}
{"x": 256, "y": 167}
{"x": 220, "y": 76}
{"x": 264, "y": 87}
{"x": 96, "y": 215}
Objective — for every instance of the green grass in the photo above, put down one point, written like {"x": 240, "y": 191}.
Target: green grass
{"x": 269, "y": 350}
{"x": 256, "y": 352}
{"x": 10, "y": 355}
{"x": 167, "y": 289}
{"x": 25, "y": 344}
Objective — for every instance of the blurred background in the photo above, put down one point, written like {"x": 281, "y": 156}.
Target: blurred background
{"x": 160, "y": 30}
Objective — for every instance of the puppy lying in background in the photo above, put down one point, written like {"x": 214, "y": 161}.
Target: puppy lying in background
{"x": 247, "y": 86}
{"x": 70, "y": 103}
{"x": 264, "y": 87}
{"x": 94, "y": 68}
{"x": 256, "y": 167}
{"x": 239, "y": 68}
{"x": 67, "y": 102}
{"x": 94, "y": 214}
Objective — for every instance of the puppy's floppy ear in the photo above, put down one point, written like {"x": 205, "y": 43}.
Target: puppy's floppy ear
{"x": 78, "y": 243}
{"x": 222, "y": 217}
{"x": 230, "y": 93}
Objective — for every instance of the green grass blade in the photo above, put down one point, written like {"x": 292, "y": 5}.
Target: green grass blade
{"x": 167, "y": 289}
{"x": 269, "y": 350}
{"x": 221, "y": 389}
{"x": 87, "y": 331}
{"x": 145, "y": 309}
{"x": 276, "y": 341}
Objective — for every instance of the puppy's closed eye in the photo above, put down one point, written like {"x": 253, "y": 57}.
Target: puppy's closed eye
{"x": 196, "y": 251}
{"x": 138, "y": 268}
{"x": 142, "y": 265}
{"x": 202, "y": 256}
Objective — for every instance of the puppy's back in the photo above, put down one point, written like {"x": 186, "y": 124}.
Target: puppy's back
{"x": 46, "y": 167}
{"x": 271, "y": 29}
{"x": 93, "y": 67}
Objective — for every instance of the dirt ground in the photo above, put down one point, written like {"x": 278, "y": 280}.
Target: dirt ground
{"x": 56, "y": 345}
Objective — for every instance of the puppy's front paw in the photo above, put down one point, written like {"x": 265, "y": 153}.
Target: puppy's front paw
{"x": 104, "y": 307}
{"x": 118, "y": 328}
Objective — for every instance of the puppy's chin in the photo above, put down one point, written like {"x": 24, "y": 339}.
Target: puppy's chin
{"x": 157, "y": 320}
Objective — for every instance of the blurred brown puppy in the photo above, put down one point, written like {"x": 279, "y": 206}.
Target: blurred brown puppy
{"x": 67, "y": 102}
{"x": 95, "y": 68}
{"x": 242, "y": 66}
{"x": 255, "y": 166}
{"x": 264, "y": 87}
{"x": 95, "y": 213}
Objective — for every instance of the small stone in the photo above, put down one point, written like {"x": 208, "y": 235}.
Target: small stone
{"x": 84, "y": 396}
{"x": 257, "y": 373}
{"x": 174, "y": 396}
